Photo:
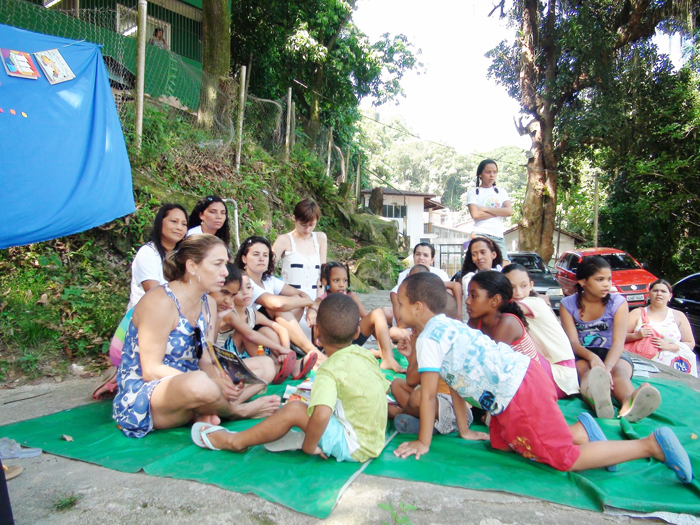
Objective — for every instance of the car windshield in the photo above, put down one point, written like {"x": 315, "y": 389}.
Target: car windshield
{"x": 621, "y": 261}
{"x": 532, "y": 264}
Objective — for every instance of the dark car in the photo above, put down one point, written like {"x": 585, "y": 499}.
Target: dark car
{"x": 544, "y": 280}
{"x": 686, "y": 298}
{"x": 629, "y": 277}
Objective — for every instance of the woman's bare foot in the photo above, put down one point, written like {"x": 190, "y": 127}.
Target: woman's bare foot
{"x": 257, "y": 409}
{"x": 212, "y": 419}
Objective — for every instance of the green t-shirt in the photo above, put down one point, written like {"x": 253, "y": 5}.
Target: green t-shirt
{"x": 352, "y": 376}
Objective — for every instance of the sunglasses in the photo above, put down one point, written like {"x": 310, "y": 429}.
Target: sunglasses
{"x": 198, "y": 342}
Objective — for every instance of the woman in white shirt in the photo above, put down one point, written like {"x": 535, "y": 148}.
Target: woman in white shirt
{"x": 210, "y": 216}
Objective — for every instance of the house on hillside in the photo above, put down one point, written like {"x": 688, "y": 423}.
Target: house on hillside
{"x": 563, "y": 241}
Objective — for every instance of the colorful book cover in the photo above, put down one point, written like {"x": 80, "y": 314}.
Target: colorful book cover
{"x": 54, "y": 66}
{"x": 18, "y": 64}
{"x": 233, "y": 365}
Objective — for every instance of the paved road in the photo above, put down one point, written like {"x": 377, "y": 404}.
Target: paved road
{"x": 106, "y": 496}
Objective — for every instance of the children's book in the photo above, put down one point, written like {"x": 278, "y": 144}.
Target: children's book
{"x": 233, "y": 365}
{"x": 54, "y": 66}
{"x": 18, "y": 64}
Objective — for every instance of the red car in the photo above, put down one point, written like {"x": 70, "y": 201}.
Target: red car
{"x": 629, "y": 278}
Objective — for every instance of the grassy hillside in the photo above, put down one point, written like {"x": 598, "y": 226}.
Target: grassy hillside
{"x": 60, "y": 301}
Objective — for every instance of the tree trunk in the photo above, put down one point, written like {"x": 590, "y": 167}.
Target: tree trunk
{"x": 216, "y": 58}
{"x": 376, "y": 201}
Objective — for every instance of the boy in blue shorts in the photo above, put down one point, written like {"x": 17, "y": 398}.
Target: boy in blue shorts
{"x": 525, "y": 416}
{"x": 347, "y": 415}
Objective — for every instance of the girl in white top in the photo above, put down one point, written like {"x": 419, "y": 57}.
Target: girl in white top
{"x": 169, "y": 228}
{"x": 483, "y": 254}
{"x": 545, "y": 328}
{"x": 488, "y": 204}
{"x": 210, "y": 216}
{"x": 275, "y": 299}
{"x": 303, "y": 251}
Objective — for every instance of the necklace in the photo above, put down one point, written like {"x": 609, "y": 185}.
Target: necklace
{"x": 182, "y": 286}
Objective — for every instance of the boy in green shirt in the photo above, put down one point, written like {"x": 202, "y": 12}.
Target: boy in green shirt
{"x": 347, "y": 415}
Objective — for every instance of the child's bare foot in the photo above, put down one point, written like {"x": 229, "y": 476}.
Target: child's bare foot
{"x": 212, "y": 419}
{"x": 257, "y": 409}
{"x": 473, "y": 435}
{"x": 390, "y": 363}
{"x": 225, "y": 440}
{"x": 376, "y": 352}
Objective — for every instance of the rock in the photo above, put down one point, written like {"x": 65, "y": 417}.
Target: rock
{"x": 76, "y": 369}
{"x": 361, "y": 252}
{"x": 372, "y": 229}
{"x": 356, "y": 285}
{"x": 376, "y": 271}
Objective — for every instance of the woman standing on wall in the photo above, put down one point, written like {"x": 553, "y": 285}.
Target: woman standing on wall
{"x": 303, "y": 251}
{"x": 488, "y": 205}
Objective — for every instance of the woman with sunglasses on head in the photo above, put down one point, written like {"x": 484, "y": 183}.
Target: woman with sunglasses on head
{"x": 210, "y": 216}
{"x": 165, "y": 379}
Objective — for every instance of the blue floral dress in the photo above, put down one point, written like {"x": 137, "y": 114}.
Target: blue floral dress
{"x": 132, "y": 405}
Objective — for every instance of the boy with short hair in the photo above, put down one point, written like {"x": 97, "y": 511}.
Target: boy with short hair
{"x": 346, "y": 417}
{"x": 525, "y": 418}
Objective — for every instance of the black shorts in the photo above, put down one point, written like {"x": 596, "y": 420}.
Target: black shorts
{"x": 603, "y": 353}
{"x": 361, "y": 340}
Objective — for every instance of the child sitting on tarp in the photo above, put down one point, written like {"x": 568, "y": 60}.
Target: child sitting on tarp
{"x": 525, "y": 416}
{"x": 346, "y": 417}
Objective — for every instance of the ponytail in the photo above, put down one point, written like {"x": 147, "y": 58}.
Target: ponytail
{"x": 512, "y": 307}
{"x": 495, "y": 283}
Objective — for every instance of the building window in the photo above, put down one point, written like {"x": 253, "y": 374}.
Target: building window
{"x": 393, "y": 211}
{"x": 127, "y": 24}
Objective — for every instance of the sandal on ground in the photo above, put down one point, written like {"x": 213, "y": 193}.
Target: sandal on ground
{"x": 290, "y": 359}
{"x": 10, "y": 449}
{"x": 594, "y": 432}
{"x": 644, "y": 403}
{"x": 12, "y": 471}
{"x": 676, "y": 457}
{"x": 106, "y": 384}
{"x": 599, "y": 392}
{"x": 290, "y": 441}
{"x": 201, "y": 430}
{"x": 306, "y": 365}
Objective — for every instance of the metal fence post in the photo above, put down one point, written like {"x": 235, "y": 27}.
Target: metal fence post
{"x": 140, "y": 69}
{"x": 288, "y": 130}
{"x": 330, "y": 151}
{"x": 241, "y": 112}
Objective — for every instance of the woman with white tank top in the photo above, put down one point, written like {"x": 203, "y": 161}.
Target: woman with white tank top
{"x": 303, "y": 251}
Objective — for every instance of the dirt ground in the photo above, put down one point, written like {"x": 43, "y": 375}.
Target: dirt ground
{"x": 106, "y": 496}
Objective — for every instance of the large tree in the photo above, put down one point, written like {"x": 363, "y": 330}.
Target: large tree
{"x": 314, "y": 47}
{"x": 562, "y": 48}
{"x": 216, "y": 59}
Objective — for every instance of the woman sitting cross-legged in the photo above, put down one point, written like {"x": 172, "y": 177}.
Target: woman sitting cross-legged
{"x": 165, "y": 377}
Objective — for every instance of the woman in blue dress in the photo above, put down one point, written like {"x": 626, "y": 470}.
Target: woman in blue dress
{"x": 164, "y": 379}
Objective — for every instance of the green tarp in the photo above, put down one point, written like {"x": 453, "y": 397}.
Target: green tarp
{"x": 642, "y": 485}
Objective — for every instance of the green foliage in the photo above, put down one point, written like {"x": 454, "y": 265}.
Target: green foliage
{"x": 66, "y": 502}
{"x": 399, "y": 514}
{"x": 315, "y": 43}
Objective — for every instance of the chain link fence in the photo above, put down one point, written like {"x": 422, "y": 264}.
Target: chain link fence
{"x": 173, "y": 81}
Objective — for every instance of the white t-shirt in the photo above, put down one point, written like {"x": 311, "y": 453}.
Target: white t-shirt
{"x": 271, "y": 285}
{"x": 192, "y": 231}
{"x": 484, "y": 373}
{"x": 488, "y": 198}
{"x": 542, "y": 322}
{"x": 147, "y": 266}
{"x": 437, "y": 271}
{"x": 468, "y": 277}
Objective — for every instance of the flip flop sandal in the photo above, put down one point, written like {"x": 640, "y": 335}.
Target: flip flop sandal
{"x": 106, "y": 384}
{"x": 599, "y": 390}
{"x": 12, "y": 471}
{"x": 306, "y": 365}
{"x": 200, "y": 431}
{"x": 287, "y": 368}
{"x": 10, "y": 449}
{"x": 594, "y": 432}
{"x": 290, "y": 441}
{"x": 676, "y": 457}
{"x": 644, "y": 403}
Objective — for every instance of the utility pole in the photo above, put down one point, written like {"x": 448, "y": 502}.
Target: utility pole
{"x": 595, "y": 210}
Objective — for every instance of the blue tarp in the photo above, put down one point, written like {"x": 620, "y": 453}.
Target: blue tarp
{"x": 63, "y": 167}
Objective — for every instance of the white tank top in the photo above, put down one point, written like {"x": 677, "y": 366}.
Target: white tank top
{"x": 301, "y": 271}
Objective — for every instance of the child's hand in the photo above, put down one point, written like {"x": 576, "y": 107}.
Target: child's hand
{"x": 319, "y": 452}
{"x": 410, "y": 448}
{"x": 311, "y": 316}
{"x": 473, "y": 435}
